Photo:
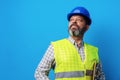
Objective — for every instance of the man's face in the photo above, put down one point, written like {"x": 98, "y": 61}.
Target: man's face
{"x": 77, "y": 26}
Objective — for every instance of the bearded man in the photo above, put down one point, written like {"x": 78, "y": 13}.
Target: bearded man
{"x": 72, "y": 58}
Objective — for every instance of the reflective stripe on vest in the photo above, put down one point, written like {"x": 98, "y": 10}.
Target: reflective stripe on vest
{"x": 73, "y": 74}
{"x": 69, "y": 74}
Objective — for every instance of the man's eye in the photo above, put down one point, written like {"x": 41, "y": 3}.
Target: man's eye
{"x": 71, "y": 19}
{"x": 80, "y": 20}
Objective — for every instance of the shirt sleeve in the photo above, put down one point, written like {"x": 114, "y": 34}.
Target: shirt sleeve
{"x": 45, "y": 65}
{"x": 99, "y": 74}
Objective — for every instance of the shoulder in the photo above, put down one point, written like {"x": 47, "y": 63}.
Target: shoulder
{"x": 58, "y": 41}
{"x": 90, "y": 46}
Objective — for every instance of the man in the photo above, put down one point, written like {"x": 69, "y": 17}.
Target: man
{"x": 71, "y": 58}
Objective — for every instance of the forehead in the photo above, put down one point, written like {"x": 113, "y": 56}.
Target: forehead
{"x": 77, "y": 16}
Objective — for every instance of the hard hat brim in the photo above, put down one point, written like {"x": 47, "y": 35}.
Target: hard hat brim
{"x": 72, "y": 14}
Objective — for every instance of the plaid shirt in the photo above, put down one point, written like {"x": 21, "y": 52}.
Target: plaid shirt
{"x": 48, "y": 61}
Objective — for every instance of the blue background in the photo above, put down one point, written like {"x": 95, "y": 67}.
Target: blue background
{"x": 28, "y": 26}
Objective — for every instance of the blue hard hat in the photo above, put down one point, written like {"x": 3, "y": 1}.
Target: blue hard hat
{"x": 80, "y": 11}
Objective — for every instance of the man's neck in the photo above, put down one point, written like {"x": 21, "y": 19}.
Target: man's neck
{"x": 78, "y": 39}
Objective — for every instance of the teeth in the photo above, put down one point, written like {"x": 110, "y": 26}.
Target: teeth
{"x": 74, "y": 29}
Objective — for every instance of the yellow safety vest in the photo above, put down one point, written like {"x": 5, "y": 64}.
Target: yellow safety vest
{"x": 68, "y": 62}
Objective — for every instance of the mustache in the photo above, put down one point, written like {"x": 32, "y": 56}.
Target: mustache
{"x": 74, "y": 24}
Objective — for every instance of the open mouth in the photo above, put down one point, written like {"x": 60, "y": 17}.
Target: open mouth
{"x": 74, "y": 27}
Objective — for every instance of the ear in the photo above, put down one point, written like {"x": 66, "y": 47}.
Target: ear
{"x": 87, "y": 27}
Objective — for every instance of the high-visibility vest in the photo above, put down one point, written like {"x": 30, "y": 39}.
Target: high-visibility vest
{"x": 69, "y": 65}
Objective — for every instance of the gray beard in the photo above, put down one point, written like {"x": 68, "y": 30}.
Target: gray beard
{"x": 75, "y": 33}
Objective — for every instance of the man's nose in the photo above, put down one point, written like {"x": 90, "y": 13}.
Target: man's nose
{"x": 75, "y": 21}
